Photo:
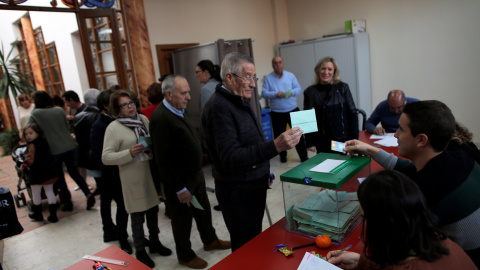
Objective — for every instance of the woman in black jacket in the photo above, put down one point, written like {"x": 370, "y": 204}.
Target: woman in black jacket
{"x": 334, "y": 107}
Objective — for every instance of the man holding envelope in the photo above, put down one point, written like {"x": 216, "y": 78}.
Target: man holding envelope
{"x": 178, "y": 156}
{"x": 282, "y": 88}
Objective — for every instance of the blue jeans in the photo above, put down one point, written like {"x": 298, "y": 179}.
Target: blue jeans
{"x": 68, "y": 158}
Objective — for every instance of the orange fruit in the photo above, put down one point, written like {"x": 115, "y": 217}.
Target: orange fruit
{"x": 323, "y": 241}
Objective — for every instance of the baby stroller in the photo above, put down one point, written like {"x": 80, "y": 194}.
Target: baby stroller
{"x": 18, "y": 155}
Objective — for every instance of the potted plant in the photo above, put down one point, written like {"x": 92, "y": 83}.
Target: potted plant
{"x": 13, "y": 80}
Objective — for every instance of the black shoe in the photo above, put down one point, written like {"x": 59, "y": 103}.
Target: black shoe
{"x": 125, "y": 246}
{"x": 143, "y": 257}
{"x": 67, "y": 207}
{"x": 36, "y": 213}
{"x": 156, "y": 246}
{"x": 283, "y": 159}
{"x": 110, "y": 234}
{"x": 90, "y": 201}
{"x": 147, "y": 241}
{"x": 217, "y": 208}
{"x": 96, "y": 192}
{"x": 52, "y": 208}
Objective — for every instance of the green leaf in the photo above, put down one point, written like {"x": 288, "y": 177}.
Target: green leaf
{"x": 14, "y": 80}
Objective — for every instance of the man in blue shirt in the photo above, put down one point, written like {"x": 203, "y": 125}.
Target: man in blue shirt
{"x": 282, "y": 88}
{"x": 388, "y": 113}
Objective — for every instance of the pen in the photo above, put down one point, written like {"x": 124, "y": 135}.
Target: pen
{"x": 338, "y": 253}
{"x": 307, "y": 245}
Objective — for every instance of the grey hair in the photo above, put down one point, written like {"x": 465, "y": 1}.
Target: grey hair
{"x": 168, "y": 83}
{"x": 90, "y": 97}
{"x": 232, "y": 63}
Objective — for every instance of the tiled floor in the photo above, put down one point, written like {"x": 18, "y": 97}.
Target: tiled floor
{"x": 79, "y": 233}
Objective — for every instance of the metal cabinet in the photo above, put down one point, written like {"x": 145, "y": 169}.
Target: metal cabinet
{"x": 351, "y": 53}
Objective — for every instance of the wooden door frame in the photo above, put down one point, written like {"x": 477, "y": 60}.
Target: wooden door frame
{"x": 169, "y": 47}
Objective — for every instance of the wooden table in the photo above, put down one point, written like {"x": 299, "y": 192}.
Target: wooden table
{"x": 259, "y": 252}
{"x": 112, "y": 252}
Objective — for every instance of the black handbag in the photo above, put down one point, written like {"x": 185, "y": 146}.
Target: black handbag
{"x": 9, "y": 224}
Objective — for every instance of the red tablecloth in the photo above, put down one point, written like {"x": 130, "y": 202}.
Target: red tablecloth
{"x": 259, "y": 252}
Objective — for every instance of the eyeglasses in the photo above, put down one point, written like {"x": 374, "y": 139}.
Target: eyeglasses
{"x": 127, "y": 105}
{"x": 254, "y": 79}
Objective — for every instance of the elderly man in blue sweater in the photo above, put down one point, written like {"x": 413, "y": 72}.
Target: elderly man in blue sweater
{"x": 282, "y": 88}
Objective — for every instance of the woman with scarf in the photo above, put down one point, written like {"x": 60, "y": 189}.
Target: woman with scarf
{"x": 126, "y": 144}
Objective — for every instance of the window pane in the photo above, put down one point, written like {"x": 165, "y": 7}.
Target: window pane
{"x": 51, "y": 55}
{"x": 100, "y": 20}
{"x": 43, "y": 60}
{"x": 50, "y": 89}
{"x": 39, "y": 39}
{"x": 90, "y": 36}
{"x": 93, "y": 47}
{"x": 103, "y": 33}
{"x": 56, "y": 75}
{"x": 108, "y": 63}
{"x": 46, "y": 76}
{"x": 58, "y": 88}
{"x": 95, "y": 63}
{"x": 111, "y": 80}
{"x": 100, "y": 83}
{"x": 105, "y": 46}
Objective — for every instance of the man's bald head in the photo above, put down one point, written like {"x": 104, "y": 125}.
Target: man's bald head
{"x": 396, "y": 101}
{"x": 277, "y": 65}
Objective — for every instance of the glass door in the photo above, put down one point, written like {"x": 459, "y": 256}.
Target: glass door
{"x": 102, "y": 48}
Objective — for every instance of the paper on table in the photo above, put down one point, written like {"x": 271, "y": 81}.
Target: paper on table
{"x": 386, "y": 135}
{"x": 389, "y": 141}
{"x": 195, "y": 203}
{"x": 306, "y": 120}
{"x": 327, "y": 166}
{"x": 311, "y": 262}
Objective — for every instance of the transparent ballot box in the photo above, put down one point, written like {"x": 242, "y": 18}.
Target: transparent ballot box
{"x": 326, "y": 203}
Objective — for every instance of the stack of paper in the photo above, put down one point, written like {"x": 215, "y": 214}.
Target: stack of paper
{"x": 386, "y": 139}
{"x": 329, "y": 212}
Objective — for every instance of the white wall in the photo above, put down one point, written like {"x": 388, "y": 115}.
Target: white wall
{"x": 56, "y": 27}
{"x": 59, "y": 27}
{"x": 427, "y": 48}
{"x": 187, "y": 21}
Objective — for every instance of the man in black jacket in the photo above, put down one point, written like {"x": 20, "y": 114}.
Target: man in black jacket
{"x": 178, "y": 156}
{"x": 239, "y": 151}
